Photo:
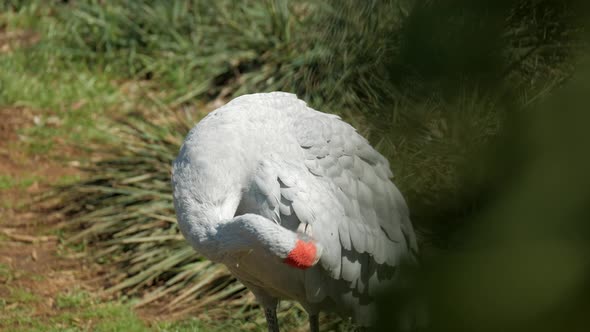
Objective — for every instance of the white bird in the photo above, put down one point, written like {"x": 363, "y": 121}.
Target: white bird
{"x": 295, "y": 203}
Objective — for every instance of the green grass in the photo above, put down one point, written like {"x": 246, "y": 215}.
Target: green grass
{"x": 8, "y": 182}
{"x": 5, "y": 273}
{"x": 187, "y": 325}
{"x": 13, "y": 203}
{"x": 175, "y": 44}
{"x": 22, "y": 296}
{"x": 70, "y": 99}
{"x": 72, "y": 299}
{"x": 114, "y": 317}
{"x": 78, "y": 310}
{"x": 108, "y": 316}
{"x": 67, "y": 179}
{"x": 74, "y": 310}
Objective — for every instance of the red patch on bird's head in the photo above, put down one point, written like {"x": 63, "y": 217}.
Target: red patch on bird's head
{"x": 303, "y": 256}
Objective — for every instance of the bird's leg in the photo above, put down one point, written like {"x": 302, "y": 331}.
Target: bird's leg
{"x": 268, "y": 303}
{"x": 314, "y": 323}
{"x": 271, "y": 319}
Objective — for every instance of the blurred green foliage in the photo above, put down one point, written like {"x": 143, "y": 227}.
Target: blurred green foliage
{"x": 523, "y": 263}
{"x": 519, "y": 260}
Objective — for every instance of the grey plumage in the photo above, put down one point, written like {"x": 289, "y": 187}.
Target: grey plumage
{"x": 264, "y": 169}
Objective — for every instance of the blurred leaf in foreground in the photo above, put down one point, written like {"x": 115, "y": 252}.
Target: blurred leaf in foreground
{"x": 525, "y": 263}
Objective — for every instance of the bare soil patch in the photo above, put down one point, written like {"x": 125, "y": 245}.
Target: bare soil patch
{"x": 33, "y": 260}
{"x": 12, "y": 39}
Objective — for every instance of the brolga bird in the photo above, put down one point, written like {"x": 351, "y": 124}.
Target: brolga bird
{"x": 295, "y": 203}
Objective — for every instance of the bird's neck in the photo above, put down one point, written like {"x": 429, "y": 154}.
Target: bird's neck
{"x": 203, "y": 200}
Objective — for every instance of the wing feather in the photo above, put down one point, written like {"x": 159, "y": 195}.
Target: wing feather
{"x": 341, "y": 187}
{"x": 376, "y": 220}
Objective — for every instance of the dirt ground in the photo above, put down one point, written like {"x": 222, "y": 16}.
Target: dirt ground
{"x": 29, "y": 248}
{"x": 34, "y": 258}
